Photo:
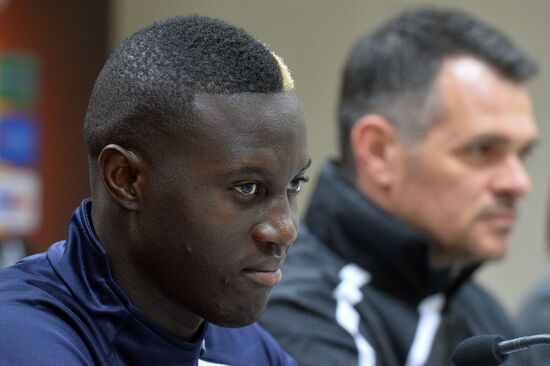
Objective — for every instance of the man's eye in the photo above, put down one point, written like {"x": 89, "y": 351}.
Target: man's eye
{"x": 485, "y": 152}
{"x": 490, "y": 152}
{"x": 248, "y": 189}
{"x": 479, "y": 150}
{"x": 296, "y": 184}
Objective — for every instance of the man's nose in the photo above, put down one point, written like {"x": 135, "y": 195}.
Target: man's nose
{"x": 512, "y": 177}
{"x": 278, "y": 230}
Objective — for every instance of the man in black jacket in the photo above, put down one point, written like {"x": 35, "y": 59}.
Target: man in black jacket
{"x": 435, "y": 121}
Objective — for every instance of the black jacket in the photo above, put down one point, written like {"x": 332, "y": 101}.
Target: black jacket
{"x": 534, "y": 318}
{"x": 359, "y": 289}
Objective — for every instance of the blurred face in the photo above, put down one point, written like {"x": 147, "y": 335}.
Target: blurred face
{"x": 222, "y": 206}
{"x": 461, "y": 183}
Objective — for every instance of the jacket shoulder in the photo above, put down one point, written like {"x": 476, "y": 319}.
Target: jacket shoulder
{"x": 476, "y": 303}
{"x": 35, "y": 308}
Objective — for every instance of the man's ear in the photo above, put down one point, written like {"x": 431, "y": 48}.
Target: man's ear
{"x": 375, "y": 143}
{"x": 123, "y": 175}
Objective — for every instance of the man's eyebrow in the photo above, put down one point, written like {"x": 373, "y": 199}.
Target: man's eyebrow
{"x": 308, "y": 164}
{"x": 528, "y": 148}
{"x": 259, "y": 170}
{"x": 502, "y": 140}
{"x": 491, "y": 139}
{"x": 250, "y": 170}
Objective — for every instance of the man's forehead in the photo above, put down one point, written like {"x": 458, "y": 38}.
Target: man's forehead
{"x": 253, "y": 119}
{"x": 243, "y": 124}
{"x": 467, "y": 78}
{"x": 464, "y": 68}
{"x": 213, "y": 107}
{"x": 252, "y": 133}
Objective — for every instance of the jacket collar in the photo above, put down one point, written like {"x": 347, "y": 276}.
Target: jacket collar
{"x": 398, "y": 257}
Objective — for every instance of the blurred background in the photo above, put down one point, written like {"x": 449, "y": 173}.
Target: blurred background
{"x": 52, "y": 50}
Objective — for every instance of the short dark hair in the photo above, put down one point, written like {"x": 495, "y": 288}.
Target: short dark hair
{"x": 146, "y": 88}
{"x": 392, "y": 70}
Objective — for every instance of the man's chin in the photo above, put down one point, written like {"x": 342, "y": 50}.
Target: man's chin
{"x": 492, "y": 251}
{"x": 240, "y": 316}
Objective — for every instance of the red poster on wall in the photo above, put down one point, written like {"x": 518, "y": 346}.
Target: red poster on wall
{"x": 50, "y": 54}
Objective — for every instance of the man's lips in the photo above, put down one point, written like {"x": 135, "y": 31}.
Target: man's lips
{"x": 264, "y": 277}
{"x": 504, "y": 219}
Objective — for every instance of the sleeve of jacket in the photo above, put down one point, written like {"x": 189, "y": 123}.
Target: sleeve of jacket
{"x": 480, "y": 310}
{"x": 31, "y": 337}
